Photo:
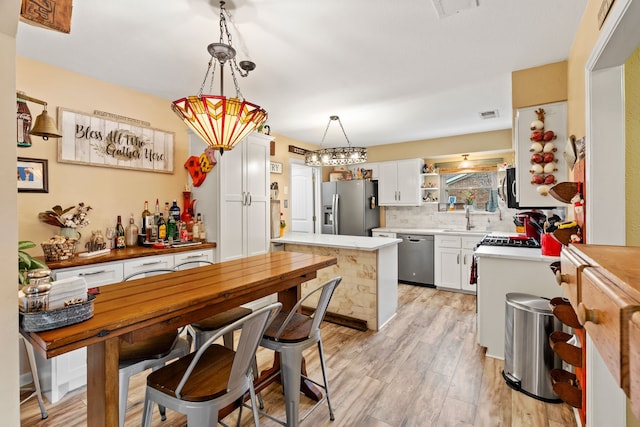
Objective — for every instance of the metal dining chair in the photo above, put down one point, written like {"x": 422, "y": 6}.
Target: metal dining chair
{"x": 149, "y": 353}
{"x": 202, "y": 383}
{"x": 290, "y": 334}
{"x": 203, "y": 329}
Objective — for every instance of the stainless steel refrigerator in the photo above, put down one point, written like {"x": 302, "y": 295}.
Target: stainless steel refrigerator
{"x": 350, "y": 207}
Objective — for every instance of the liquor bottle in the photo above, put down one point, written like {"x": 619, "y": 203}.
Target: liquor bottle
{"x": 162, "y": 228}
{"x": 166, "y": 211}
{"x": 131, "y": 232}
{"x": 174, "y": 210}
{"x": 172, "y": 228}
{"x": 146, "y": 218}
{"x": 156, "y": 218}
{"x": 195, "y": 229}
{"x": 202, "y": 230}
{"x": 120, "y": 235}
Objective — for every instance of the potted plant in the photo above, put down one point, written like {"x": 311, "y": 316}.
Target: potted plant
{"x": 26, "y": 262}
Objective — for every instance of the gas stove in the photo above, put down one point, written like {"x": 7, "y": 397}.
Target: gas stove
{"x": 512, "y": 241}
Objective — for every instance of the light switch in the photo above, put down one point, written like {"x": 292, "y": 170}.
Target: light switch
{"x": 286, "y": 190}
{"x": 286, "y": 203}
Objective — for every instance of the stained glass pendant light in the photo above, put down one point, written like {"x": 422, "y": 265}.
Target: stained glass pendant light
{"x": 220, "y": 121}
{"x": 338, "y": 156}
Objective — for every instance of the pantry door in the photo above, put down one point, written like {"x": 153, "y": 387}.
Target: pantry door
{"x": 302, "y": 198}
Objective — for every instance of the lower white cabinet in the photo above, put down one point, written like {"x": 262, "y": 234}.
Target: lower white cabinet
{"x": 68, "y": 371}
{"x": 453, "y": 259}
{"x": 383, "y": 234}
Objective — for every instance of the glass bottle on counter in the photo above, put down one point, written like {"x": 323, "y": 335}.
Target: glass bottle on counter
{"x": 120, "y": 235}
{"x": 146, "y": 218}
{"x": 172, "y": 228}
{"x": 162, "y": 228}
{"x": 202, "y": 230}
{"x": 174, "y": 211}
{"x": 131, "y": 232}
{"x": 195, "y": 229}
{"x": 156, "y": 219}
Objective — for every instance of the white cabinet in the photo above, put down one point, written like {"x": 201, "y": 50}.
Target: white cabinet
{"x": 383, "y": 234}
{"x": 399, "y": 183}
{"x": 453, "y": 258}
{"x": 147, "y": 263}
{"x": 234, "y": 198}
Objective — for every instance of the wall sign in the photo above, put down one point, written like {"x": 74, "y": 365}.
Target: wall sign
{"x": 276, "y": 167}
{"x": 93, "y": 140}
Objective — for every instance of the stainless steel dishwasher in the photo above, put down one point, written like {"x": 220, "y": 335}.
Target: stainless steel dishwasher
{"x": 415, "y": 259}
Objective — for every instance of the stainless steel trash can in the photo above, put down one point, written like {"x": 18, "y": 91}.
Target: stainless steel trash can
{"x": 528, "y": 358}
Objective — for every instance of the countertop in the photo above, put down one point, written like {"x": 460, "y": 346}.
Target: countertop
{"x": 432, "y": 231}
{"x": 121, "y": 254}
{"x": 337, "y": 241}
{"x": 506, "y": 252}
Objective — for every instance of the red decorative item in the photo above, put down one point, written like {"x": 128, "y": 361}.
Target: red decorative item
{"x": 192, "y": 165}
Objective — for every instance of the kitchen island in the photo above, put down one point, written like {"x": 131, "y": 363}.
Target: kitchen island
{"x": 369, "y": 270}
{"x": 502, "y": 270}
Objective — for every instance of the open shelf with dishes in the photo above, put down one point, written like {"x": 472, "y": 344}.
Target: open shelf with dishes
{"x": 429, "y": 186}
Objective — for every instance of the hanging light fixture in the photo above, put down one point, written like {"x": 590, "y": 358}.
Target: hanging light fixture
{"x": 338, "y": 156}
{"x": 45, "y": 126}
{"x": 466, "y": 163}
{"x": 220, "y": 121}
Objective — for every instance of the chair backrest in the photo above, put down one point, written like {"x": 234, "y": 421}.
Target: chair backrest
{"x": 146, "y": 273}
{"x": 191, "y": 264}
{"x": 252, "y": 328}
{"x": 327, "y": 289}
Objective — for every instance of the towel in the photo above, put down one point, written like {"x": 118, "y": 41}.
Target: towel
{"x": 72, "y": 290}
{"x": 473, "y": 275}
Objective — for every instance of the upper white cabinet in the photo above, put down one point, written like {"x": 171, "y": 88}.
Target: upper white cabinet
{"x": 234, "y": 198}
{"x": 399, "y": 183}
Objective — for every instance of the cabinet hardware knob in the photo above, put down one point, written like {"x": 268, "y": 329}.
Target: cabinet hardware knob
{"x": 562, "y": 279}
{"x": 586, "y": 315}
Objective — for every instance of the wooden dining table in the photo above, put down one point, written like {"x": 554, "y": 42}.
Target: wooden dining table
{"x": 144, "y": 307}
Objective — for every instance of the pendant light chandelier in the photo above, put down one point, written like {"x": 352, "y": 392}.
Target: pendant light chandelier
{"x": 220, "y": 121}
{"x": 338, "y": 156}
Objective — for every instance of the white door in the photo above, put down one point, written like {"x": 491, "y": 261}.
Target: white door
{"x": 302, "y": 198}
{"x": 257, "y": 202}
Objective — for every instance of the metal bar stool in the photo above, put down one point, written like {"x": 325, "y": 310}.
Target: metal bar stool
{"x": 202, "y": 383}
{"x": 206, "y": 328}
{"x": 34, "y": 377}
{"x": 290, "y": 334}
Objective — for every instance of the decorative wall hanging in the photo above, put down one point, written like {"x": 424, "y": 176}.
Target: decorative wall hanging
{"x": 93, "y": 140}
{"x": 33, "y": 175}
{"x": 199, "y": 167}
{"x": 276, "y": 167}
{"x": 543, "y": 159}
{"x": 52, "y": 14}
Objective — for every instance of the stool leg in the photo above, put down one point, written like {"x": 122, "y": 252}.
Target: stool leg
{"x": 254, "y": 367}
{"x": 326, "y": 380}
{"x": 34, "y": 376}
{"x": 291, "y": 361}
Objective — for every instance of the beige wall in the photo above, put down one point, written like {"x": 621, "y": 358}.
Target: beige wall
{"x": 479, "y": 145}
{"x": 539, "y": 85}
{"x": 109, "y": 191}
{"x": 9, "y": 388}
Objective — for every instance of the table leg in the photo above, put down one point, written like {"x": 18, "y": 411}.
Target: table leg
{"x": 102, "y": 383}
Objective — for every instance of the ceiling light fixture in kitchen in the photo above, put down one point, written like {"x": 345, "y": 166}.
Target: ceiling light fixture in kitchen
{"x": 220, "y": 121}
{"x": 466, "y": 163}
{"x": 338, "y": 156}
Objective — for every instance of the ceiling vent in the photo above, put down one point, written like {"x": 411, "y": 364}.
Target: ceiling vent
{"x": 451, "y": 7}
{"x": 491, "y": 114}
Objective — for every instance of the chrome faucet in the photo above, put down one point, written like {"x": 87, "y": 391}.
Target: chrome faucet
{"x": 467, "y": 216}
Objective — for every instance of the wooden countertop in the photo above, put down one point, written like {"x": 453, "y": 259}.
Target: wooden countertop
{"x": 123, "y": 254}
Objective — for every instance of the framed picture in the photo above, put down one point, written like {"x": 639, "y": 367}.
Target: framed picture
{"x": 33, "y": 175}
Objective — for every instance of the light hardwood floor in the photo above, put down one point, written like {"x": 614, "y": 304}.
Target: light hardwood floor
{"x": 423, "y": 369}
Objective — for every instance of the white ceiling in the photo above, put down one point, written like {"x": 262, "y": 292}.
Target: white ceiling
{"x": 393, "y": 71}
